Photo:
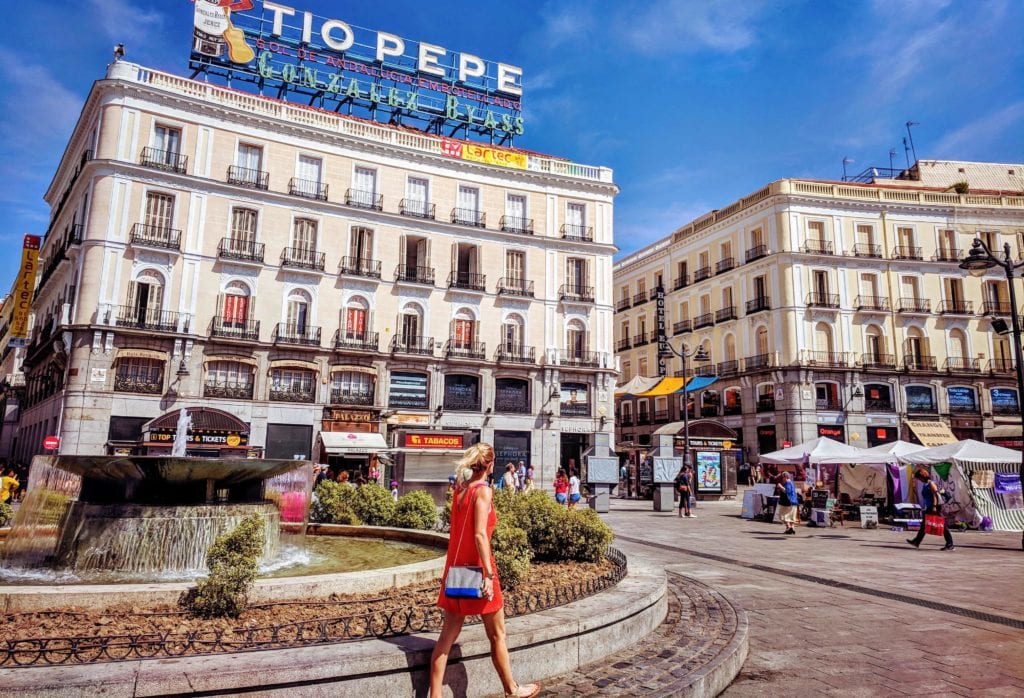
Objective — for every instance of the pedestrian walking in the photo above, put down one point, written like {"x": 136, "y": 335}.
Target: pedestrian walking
{"x": 521, "y": 476}
{"x": 932, "y": 506}
{"x": 508, "y": 480}
{"x": 787, "y": 503}
{"x": 561, "y": 487}
{"x": 469, "y": 544}
{"x": 574, "y": 489}
{"x": 684, "y": 486}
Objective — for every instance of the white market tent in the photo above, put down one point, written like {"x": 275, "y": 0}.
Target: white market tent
{"x": 896, "y": 448}
{"x": 968, "y": 450}
{"x": 824, "y": 450}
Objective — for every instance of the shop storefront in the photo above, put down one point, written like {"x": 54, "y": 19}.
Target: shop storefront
{"x": 423, "y": 459}
{"x": 882, "y": 435}
{"x": 715, "y": 454}
{"x": 212, "y": 434}
{"x": 511, "y": 447}
{"x": 833, "y": 431}
{"x": 767, "y": 439}
{"x": 349, "y": 440}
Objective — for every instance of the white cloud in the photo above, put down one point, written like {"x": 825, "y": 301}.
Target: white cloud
{"x": 46, "y": 110}
{"x": 976, "y": 135}
{"x": 684, "y": 26}
{"x": 127, "y": 22}
{"x": 564, "y": 23}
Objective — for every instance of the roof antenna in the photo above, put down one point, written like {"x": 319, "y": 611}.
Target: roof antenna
{"x": 892, "y": 154}
{"x": 845, "y": 161}
{"x": 906, "y": 151}
{"x": 911, "y": 137}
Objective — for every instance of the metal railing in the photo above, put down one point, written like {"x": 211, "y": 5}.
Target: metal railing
{"x": 457, "y": 349}
{"x": 701, "y": 274}
{"x": 513, "y": 286}
{"x": 461, "y": 403}
{"x": 469, "y": 216}
{"x": 879, "y": 303}
{"x": 359, "y": 266}
{"x": 709, "y": 411}
{"x": 907, "y": 252}
{"x": 879, "y": 405}
{"x": 516, "y": 224}
{"x": 247, "y": 330}
{"x": 765, "y": 404}
{"x": 573, "y": 231}
{"x": 948, "y": 307}
{"x": 866, "y": 249}
{"x": 131, "y": 384}
{"x": 141, "y": 318}
{"x": 582, "y": 359}
{"x": 303, "y": 258}
{"x": 822, "y": 300}
{"x": 231, "y": 390}
{"x": 356, "y": 341}
{"x": 307, "y": 188}
{"x": 815, "y": 246}
{"x": 467, "y": 281}
{"x": 727, "y": 369}
{"x": 703, "y": 320}
{"x": 626, "y": 420}
{"x": 343, "y": 396}
{"x": 682, "y": 326}
{"x": 572, "y": 292}
{"x": 155, "y": 236}
{"x": 411, "y": 344}
{"x": 947, "y": 256}
{"x": 643, "y": 417}
{"x": 727, "y": 264}
{"x": 1001, "y": 366}
{"x": 414, "y": 274}
{"x": 962, "y": 364}
{"x": 280, "y": 394}
{"x": 914, "y": 305}
{"x": 920, "y": 363}
{"x": 304, "y": 335}
{"x": 828, "y": 404}
{"x": 621, "y": 304}
{"x": 417, "y": 208}
{"x": 681, "y": 282}
{"x": 641, "y": 339}
{"x": 640, "y": 298}
{"x": 726, "y": 314}
{"x": 706, "y": 370}
{"x": 733, "y": 409}
{"x": 516, "y": 354}
{"x": 756, "y": 252}
{"x": 827, "y": 359}
{"x": 241, "y": 250}
{"x": 759, "y": 362}
{"x": 759, "y": 304}
{"x": 996, "y": 308}
{"x": 360, "y": 198}
{"x": 169, "y": 160}
{"x": 247, "y": 177}
{"x": 877, "y": 362}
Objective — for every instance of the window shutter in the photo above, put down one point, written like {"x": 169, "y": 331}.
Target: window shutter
{"x": 133, "y": 294}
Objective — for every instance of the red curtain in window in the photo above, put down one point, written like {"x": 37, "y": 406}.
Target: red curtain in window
{"x": 462, "y": 333}
{"x": 235, "y": 309}
{"x": 355, "y": 323}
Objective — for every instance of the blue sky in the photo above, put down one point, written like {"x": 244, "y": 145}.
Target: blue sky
{"x": 694, "y": 103}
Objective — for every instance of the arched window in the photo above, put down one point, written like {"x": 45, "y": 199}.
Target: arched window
{"x": 823, "y": 340}
{"x": 962, "y": 399}
{"x": 874, "y": 345}
{"x": 733, "y": 401}
{"x": 576, "y": 340}
{"x": 710, "y": 401}
{"x": 878, "y": 397}
{"x": 145, "y": 302}
{"x": 304, "y": 235}
{"x": 411, "y": 329}
{"x": 463, "y": 330}
{"x": 356, "y": 320}
{"x": 513, "y": 335}
{"x": 297, "y": 313}
{"x": 921, "y": 399}
{"x": 915, "y": 351}
{"x": 730, "y": 348}
{"x": 766, "y": 397}
{"x": 762, "y": 341}
{"x": 236, "y": 307}
{"x": 229, "y": 379}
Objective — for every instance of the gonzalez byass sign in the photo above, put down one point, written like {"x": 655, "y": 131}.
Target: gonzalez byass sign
{"x": 339, "y": 65}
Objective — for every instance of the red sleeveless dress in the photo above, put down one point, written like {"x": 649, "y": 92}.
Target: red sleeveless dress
{"x": 462, "y": 541}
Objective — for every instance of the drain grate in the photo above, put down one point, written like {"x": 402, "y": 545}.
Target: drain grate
{"x": 846, "y": 586}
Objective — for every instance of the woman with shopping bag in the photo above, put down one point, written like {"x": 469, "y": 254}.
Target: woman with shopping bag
{"x": 933, "y": 523}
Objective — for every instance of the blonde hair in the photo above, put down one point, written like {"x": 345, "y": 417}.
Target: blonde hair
{"x": 476, "y": 458}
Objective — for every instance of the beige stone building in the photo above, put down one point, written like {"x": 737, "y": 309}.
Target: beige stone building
{"x": 293, "y": 271}
{"x": 833, "y": 308}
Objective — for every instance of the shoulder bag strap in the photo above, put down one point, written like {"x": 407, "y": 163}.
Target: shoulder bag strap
{"x": 471, "y": 494}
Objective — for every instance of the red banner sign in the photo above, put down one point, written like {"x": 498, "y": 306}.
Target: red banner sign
{"x": 451, "y": 441}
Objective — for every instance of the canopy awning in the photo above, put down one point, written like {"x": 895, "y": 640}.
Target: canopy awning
{"x": 343, "y": 443}
{"x": 637, "y": 384}
{"x": 931, "y": 433}
{"x": 700, "y": 382}
{"x": 968, "y": 450}
{"x": 1004, "y": 431}
{"x": 825, "y": 450}
{"x": 896, "y": 448}
{"x": 666, "y": 386}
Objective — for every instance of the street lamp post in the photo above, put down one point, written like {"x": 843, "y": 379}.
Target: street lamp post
{"x": 699, "y": 355}
{"x": 979, "y": 260}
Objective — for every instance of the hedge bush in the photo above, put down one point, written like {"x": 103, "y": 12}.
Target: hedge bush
{"x": 373, "y": 505}
{"x": 512, "y": 554}
{"x": 415, "y": 510}
{"x": 582, "y": 535}
{"x": 538, "y": 514}
{"x": 334, "y": 503}
{"x": 233, "y": 560}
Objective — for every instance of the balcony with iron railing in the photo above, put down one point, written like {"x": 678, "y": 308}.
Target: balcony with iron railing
{"x": 756, "y": 252}
{"x": 461, "y": 349}
{"x": 759, "y": 362}
{"x": 572, "y": 292}
{"x": 140, "y": 318}
{"x": 359, "y": 266}
{"x": 511, "y": 354}
{"x": 828, "y": 404}
{"x": 623, "y": 304}
{"x": 579, "y": 233}
{"x": 661, "y": 416}
{"x": 999, "y": 308}
{"x": 157, "y": 236}
{"x": 732, "y": 409}
{"x": 905, "y": 252}
{"x": 765, "y": 404}
{"x": 169, "y": 160}
{"x": 287, "y": 394}
{"x": 816, "y": 299}
{"x": 914, "y": 306}
{"x": 681, "y": 282}
{"x": 816, "y": 246}
{"x": 307, "y": 189}
{"x": 410, "y": 274}
{"x": 362, "y": 198}
{"x": 878, "y": 362}
{"x": 701, "y": 274}
{"x": 758, "y": 304}
{"x": 300, "y": 335}
{"x": 643, "y": 417}
{"x": 726, "y": 314}
{"x": 707, "y": 370}
{"x": 962, "y": 364}
{"x": 879, "y": 405}
{"x": 231, "y": 390}
{"x": 467, "y": 281}
{"x": 682, "y": 326}
{"x": 469, "y": 216}
{"x": 417, "y": 209}
{"x": 867, "y": 249}
{"x": 639, "y": 298}
{"x": 303, "y": 258}
{"x": 947, "y": 256}
{"x": 726, "y": 264}
{"x": 727, "y": 369}
{"x": 516, "y": 224}
{"x": 1000, "y": 366}
{"x": 248, "y": 177}
{"x": 348, "y": 340}
{"x": 516, "y": 286}
{"x": 133, "y": 384}
{"x": 351, "y": 396}
{"x": 241, "y": 250}
{"x": 871, "y": 303}
{"x": 709, "y": 411}
{"x": 580, "y": 359}
{"x": 456, "y": 402}
{"x": 703, "y": 320}
{"x": 956, "y": 307}
{"x": 825, "y": 359}
{"x": 920, "y": 364}
{"x": 642, "y": 339}
{"x": 230, "y": 328}
{"x": 411, "y": 344}
{"x": 625, "y": 420}
{"x": 575, "y": 409}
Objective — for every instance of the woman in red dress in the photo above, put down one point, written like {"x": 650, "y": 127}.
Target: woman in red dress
{"x": 473, "y": 520}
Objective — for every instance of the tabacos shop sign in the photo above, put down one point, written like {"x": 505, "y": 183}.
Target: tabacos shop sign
{"x": 337, "y": 66}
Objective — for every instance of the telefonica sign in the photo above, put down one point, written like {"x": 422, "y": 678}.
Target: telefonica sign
{"x": 335, "y": 65}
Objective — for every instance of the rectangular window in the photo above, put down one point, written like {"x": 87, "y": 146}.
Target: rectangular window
{"x": 310, "y": 171}
{"x": 417, "y": 195}
{"x": 249, "y": 157}
{"x": 576, "y": 216}
{"x": 159, "y": 210}
{"x": 909, "y": 284}
{"x": 865, "y": 234}
{"x": 515, "y": 267}
{"x": 167, "y": 140}
{"x": 364, "y": 181}
{"x": 948, "y": 243}
{"x": 236, "y": 310}
{"x": 355, "y": 323}
{"x": 905, "y": 235}
{"x": 756, "y": 238}
{"x": 304, "y": 235}
{"x": 820, "y": 283}
{"x": 243, "y": 229}
{"x": 760, "y": 287}
{"x": 576, "y": 273}
{"x": 361, "y": 244}
{"x": 469, "y": 199}
{"x": 515, "y": 209}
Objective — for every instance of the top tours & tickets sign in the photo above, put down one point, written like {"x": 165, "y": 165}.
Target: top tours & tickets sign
{"x": 334, "y": 65}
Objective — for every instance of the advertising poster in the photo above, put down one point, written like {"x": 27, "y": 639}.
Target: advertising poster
{"x": 709, "y": 471}
{"x": 24, "y": 287}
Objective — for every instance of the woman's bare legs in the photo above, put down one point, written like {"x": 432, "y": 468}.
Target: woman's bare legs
{"x": 439, "y": 657}
{"x": 494, "y": 625}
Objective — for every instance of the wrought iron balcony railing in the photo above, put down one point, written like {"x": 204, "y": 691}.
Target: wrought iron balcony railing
{"x": 461, "y": 403}
{"x": 625, "y": 420}
{"x": 467, "y": 281}
{"x": 706, "y": 370}
{"x": 727, "y": 264}
{"x": 303, "y": 258}
{"x": 622, "y": 344}
{"x": 516, "y": 224}
{"x": 458, "y": 349}
{"x": 869, "y": 303}
{"x": 247, "y": 177}
{"x": 759, "y": 362}
{"x": 361, "y": 198}
{"x": 726, "y": 314}
{"x": 816, "y": 246}
{"x": 919, "y": 363}
{"x": 515, "y": 286}
{"x": 131, "y": 384}
{"x": 159, "y": 236}
{"x": 359, "y": 266}
{"x": 948, "y": 307}
{"x": 572, "y": 292}
{"x": 727, "y": 369}
{"x": 906, "y": 252}
{"x": 511, "y": 354}
{"x": 411, "y": 344}
{"x": 914, "y": 305}
{"x": 765, "y": 404}
{"x": 948, "y": 255}
{"x": 661, "y": 416}
{"x": 826, "y": 359}
{"x": 1002, "y": 308}
{"x": 469, "y": 216}
{"x": 620, "y": 305}
{"x": 828, "y": 404}
{"x": 347, "y": 340}
{"x": 302, "y": 335}
{"x": 228, "y": 389}
{"x": 756, "y": 252}
{"x": 759, "y": 304}
{"x": 241, "y": 250}
{"x": 1001, "y": 366}
{"x": 879, "y": 405}
{"x": 414, "y": 274}
{"x": 581, "y": 233}
{"x": 878, "y": 362}
{"x": 823, "y": 300}
{"x": 643, "y": 417}
{"x": 307, "y": 188}
{"x": 169, "y": 160}
{"x": 639, "y": 298}
{"x": 283, "y": 394}
{"x": 961, "y": 364}
{"x": 701, "y": 274}
{"x": 867, "y": 249}
{"x": 582, "y": 359}
{"x": 230, "y": 328}
{"x": 682, "y": 326}
{"x": 348, "y": 396}
{"x": 681, "y": 282}
{"x": 417, "y": 208}
{"x": 141, "y": 318}
{"x": 703, "y": 320}
{"x": 641, "y": 339}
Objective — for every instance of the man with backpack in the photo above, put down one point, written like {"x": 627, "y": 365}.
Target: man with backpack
{"x": 933, "y": 499}
{"x": 684, "y": 486}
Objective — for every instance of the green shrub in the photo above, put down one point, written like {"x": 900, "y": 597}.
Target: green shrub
{"x": 334, "y": 504}
{"x": 538, "y": 514}
{"x": 582, "y": 535}
{"x": 511, "y": 554}
{"x": 233, "y": 560}
{"x": 374, "y": 505}
{"x": 415, "y": 510}
{"x": 6, "y": 514}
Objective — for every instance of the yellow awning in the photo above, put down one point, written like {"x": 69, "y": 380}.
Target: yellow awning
{"x": 667, "y": 386}
{"x": 931, "y": 433}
